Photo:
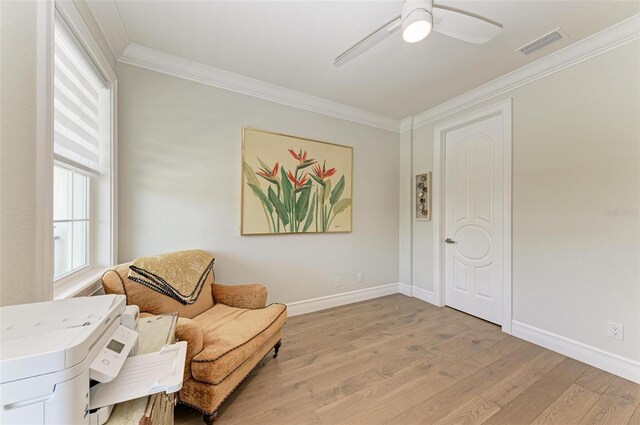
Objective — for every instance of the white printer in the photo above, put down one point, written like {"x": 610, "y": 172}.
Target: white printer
{"x": 67, "y": 361}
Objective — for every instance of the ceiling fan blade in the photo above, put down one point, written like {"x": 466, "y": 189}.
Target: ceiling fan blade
{"x": 368, "y": 42}
{"x": 463, "y": 25}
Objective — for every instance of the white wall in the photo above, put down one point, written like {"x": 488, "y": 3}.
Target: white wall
{"x": 406, "y": 214}
{"x": 576, "y": 156}
{"x": 179, "y": 178}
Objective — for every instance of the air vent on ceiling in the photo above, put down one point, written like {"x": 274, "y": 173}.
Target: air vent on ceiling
{"x": 549, "y": 38}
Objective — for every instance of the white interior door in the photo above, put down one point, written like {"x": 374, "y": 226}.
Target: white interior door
{"x": 473, "y": 205}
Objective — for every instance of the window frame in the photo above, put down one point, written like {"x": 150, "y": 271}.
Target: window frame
{"x": 71, "y": 275}
{"x": 85, "y": 281}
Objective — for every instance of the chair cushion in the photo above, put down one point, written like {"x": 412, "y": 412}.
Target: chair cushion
{"x": 206, "y": 397}
{"x": 231, "y": 336}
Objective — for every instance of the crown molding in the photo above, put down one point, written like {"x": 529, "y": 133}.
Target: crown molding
{"x": 594, "y": 45}
{"x": 178, "y": 67}
{"x": 108, "y": 18}
{"x": 405, "y": 124}
{"x": 110, "y": 22}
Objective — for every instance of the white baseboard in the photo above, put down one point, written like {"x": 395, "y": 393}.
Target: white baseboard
{"x": 405, "y": 289}
{"x": 424, "y": 295}
{"x": 323, "y": 303}
{"x": 613, "y": 363}
{"x": 415, "y": 292}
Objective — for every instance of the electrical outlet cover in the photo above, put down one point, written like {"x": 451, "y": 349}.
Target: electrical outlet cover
{"x": 615, "y": 330}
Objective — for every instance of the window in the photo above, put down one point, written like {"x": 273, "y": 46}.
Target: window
{"x": 71, "y": 223}
{"x": 82, "y": 180}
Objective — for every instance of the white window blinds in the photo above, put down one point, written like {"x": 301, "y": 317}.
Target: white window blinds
{"x": 79, "y": 104}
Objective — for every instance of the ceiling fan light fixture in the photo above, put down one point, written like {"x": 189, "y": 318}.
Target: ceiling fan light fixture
{"x": 417, "y": 26}
{"x": 418, "y": 18}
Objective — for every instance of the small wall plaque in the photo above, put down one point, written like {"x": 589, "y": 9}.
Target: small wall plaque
{"x": 423, "y": 196}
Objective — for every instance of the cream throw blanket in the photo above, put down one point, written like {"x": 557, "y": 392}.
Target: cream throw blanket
{"x": 179, "y": 275}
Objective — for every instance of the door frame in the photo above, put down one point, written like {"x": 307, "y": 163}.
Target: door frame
{"x": 440, "y": 131}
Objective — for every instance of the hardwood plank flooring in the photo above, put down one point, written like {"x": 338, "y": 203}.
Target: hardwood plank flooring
{"x": 398, "y": 360}
{"x": 616, "y": 405}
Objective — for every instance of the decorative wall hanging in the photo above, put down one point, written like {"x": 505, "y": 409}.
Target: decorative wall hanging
{"x": 423, "y": 196}
{"x": 294, "y": 185}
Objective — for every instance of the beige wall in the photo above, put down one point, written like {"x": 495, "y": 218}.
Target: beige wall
{"x": 179, "y": 178}
{"x": 18, "y": 152}
{"x": 576, "y": 158}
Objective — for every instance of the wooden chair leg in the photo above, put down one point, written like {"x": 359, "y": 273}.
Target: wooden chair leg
{"x": 277, "y": 348}
{"x": 210, "y": 419}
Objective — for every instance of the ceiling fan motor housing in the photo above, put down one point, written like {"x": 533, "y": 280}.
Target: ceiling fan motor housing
{"x": 416, "y": 12}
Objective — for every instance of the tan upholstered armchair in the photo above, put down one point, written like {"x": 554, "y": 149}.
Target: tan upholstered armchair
{"x": 228, "y": 330}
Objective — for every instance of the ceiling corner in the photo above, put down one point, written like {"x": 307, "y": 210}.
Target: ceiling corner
{"x": 406, "y": 124}
{"x": 106, "y": 14}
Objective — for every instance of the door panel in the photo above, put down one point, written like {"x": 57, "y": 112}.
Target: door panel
{"x": 473, "y": 219}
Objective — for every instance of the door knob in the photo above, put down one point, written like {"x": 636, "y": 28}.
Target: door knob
{"x": 449, "y": 240}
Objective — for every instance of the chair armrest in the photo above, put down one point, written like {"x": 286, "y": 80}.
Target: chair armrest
{"x": 190, "y": 331}
{"x": 251, "y": 297}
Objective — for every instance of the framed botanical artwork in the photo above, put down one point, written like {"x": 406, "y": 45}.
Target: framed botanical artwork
{"x": 294, "y": 185}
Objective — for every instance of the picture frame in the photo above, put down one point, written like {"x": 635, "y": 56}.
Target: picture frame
{"x": 294, "y": 185}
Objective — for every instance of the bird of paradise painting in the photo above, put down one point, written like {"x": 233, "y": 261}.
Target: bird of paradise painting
{"x": 294, "y": 185}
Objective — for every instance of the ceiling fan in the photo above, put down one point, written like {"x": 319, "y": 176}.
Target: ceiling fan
{"x": 417, "y": 20}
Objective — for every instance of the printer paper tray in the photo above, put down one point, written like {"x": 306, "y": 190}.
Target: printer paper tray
{"x": 143, "y": 375}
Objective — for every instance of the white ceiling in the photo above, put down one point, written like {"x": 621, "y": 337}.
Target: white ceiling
{"x": 293, "y": 44}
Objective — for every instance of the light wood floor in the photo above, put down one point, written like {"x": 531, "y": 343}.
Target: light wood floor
{"x": 398, "y": 360}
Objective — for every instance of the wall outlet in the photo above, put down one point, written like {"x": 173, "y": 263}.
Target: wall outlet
{"x": 360, "y": 277}
{"x": 615, "y": 330}
{"x": 338, "y": 281}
